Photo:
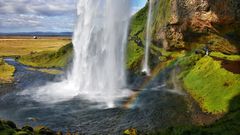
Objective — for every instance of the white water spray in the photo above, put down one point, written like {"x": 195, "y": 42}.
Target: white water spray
{"x": 99, "y": 43}
{"x": 146, "y": 68}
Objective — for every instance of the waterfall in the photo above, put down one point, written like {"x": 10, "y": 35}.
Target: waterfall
{"x": 98, "y": 72}
{"x": 145, "y": 67}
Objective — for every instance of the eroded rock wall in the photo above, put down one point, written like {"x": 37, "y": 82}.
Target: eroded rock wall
{"x": 186, "y": 24}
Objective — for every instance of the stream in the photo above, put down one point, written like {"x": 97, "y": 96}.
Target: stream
{"x": 155, "y": 107}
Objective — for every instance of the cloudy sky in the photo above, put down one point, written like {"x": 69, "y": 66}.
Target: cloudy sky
{"x": 42, "y": 15}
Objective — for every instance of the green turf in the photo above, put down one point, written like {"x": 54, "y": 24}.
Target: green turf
{"x": 212, "y": 86}
{"x": 48, "y": 59}
{"x": 225, "y": 56}
{"x": 6, "y": 72}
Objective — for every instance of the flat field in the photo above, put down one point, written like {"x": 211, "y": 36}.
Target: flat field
{"x": 23, "y": 45}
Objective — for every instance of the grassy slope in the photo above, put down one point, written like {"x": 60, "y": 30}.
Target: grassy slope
{"x": 17, "y": 47}
{"x": 134, "y": 51}
{"x": 211, "y": 85}
{"x": 228, "y": 125}
{"x": 48, "y": 58}
{"x": 224, "y": 56}
{"x": 6, "y": 72}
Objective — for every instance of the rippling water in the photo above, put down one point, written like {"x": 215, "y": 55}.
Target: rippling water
{"x": 154, "y": 108}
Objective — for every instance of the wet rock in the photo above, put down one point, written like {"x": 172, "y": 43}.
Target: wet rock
{"x": 42, "y": 130}
{"x": 27, "y": 128}
{"x": 11, "y": 124}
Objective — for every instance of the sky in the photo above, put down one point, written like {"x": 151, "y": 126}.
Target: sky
{"x": 42, "y": 15}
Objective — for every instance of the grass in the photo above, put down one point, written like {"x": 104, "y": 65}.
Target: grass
{"x": 19, "y": 47}
{"x": 134, "y": 55}
{"x": 48, "y": 59}
{"x": 48, "y": 71}
{"x": 135, "y": 52}
{"x": 225, "y": 56}
{"x": 211, "y": 85}
{"x": 138, "y": 22}
{"x": 6, "y": 72}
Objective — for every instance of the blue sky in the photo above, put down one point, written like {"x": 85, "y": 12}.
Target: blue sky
{"x": 42, "y": 15}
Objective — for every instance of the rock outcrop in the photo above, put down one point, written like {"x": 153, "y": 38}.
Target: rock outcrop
{"x": 186, "y": 24}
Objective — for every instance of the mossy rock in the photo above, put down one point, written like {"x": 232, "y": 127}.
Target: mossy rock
{"x": 131, "y": 131}
{"x": 42, "y": 130}
{"x": 24, "y": 133}
{"x": 11, "y": 124}
{"x": 27, "y": 129}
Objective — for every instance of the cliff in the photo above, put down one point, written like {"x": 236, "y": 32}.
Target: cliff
{"x": 188, "y": 24}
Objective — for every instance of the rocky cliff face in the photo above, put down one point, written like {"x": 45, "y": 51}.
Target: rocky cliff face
{"x": 187, "y": 24}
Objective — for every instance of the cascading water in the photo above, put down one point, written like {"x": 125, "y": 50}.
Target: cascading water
{"x": 99, "y": 47}
{"x": 145, "y": 67}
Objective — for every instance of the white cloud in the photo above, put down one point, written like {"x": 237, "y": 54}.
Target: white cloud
{"x": 38, "y": 7}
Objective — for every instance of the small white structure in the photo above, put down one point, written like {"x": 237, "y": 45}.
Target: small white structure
{"x": 35, "y": 37}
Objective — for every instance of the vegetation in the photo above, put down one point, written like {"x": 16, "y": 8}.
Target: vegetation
{"x": 224, "y": 56}
{"x": 6, "y": 72}
{"x": 227, "y": 125}
{"x": 208, "y": 82}
{"x": 211, "y": 85}
{"x": 135, "y": 55}
{"x": 48, "y": 59}
{"x": 138, "y": 23}
{"x": 161, "y": 15}
{"x": 48, "y": 71}
{"x": 9, "y": 128}
{"x": 18, "y": 47}
{"x": 135, "y": 48}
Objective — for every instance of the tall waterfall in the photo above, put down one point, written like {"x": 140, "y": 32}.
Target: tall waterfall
{"x": 145, "y": 67}
{"x": 99, "y": 43}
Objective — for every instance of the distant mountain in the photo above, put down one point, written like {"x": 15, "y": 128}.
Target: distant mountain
{"x": 37, "y": 34}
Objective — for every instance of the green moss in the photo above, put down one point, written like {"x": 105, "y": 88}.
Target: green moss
{"x": 6, "y": 129}
{"x": 135, "y": 51}
{"x": 6, "y": 72}
{"x": 161, "y": 15}
{"x": 42, "y": 130}
{"x": 212, "y": 86}
{"x": 48, "y": 59}
{"x": 138, "y": 22}
{"x": 23, "y": 133}
{"x": 134, "y": 55}
{"x": 225, "y": 56}
{"x": 188, "y": 61}
{"x": 9, "y": 128}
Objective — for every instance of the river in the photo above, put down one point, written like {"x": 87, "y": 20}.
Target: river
{"x": 155, "y": 107}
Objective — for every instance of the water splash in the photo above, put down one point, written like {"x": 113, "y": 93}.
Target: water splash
{"x": 99, "y": 43}
{"x": 145, "y": 67}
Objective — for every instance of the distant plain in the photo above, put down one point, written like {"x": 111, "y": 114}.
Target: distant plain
{"x": 23, "y": 45}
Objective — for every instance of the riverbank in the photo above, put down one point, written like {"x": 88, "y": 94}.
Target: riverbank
{"x": 6, "y": 72}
